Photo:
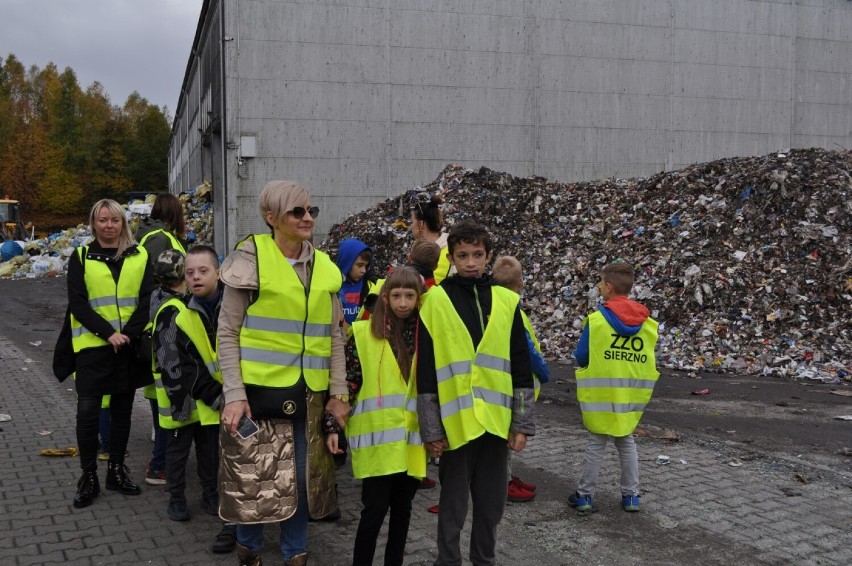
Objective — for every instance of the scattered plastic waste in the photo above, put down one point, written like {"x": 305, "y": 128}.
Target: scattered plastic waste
{"x": 837, "y": 418}
{"x": 37, "y": 343}
{"x": 5, "y": 418}
{"x": 48, "y": 257}
{"x": 735, "y": 463}
{"x": 10, "y": 249}
{"x": 704, "y": 391}
{"x": 666, "y": 522}
{"x": 746, "y": 262}
{"x": 663, "y": 460}
{"x": 44, "y": 432}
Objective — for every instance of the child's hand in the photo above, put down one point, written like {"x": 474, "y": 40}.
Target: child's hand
{"x": 437, "y": 447}
{"x": 331, "y": 442}
{"x": 517, "y": 441}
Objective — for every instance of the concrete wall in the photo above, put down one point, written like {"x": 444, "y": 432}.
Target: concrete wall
{"x": 362, "y": 99}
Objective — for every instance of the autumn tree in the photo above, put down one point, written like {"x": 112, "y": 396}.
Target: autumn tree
{"x": 62, "y": 147}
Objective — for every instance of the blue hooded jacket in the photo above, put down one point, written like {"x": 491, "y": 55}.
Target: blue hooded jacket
{"x": 624, "y": 315}
{"x": 352, "y": 293}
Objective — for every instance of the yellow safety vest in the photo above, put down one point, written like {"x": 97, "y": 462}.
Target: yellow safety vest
{"x": 286, "y": 332}
{"x": 444, "y": 266}
{"x": 176, "y": 245}
{"x": 382, "y": 430}
{"x": 191, "y": 324}
{"x": 529, "y": 328}
{"x": 474, "y": 386}
{"x": 114, "y": 302}
{"x": 619, "y": 380}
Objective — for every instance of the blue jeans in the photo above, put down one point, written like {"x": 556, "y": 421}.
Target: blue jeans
{"x": 294, "y": 531}
{"x": 161, "y": 437}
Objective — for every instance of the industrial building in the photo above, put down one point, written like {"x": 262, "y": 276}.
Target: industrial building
{"x": 362, "y": 99}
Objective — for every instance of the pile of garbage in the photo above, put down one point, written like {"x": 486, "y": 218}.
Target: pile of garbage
{"x": 746, "y": 262}
{"x": 49, "y": 256}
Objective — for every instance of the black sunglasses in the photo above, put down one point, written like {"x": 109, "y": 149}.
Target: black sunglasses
{"x": 299, "y": 211}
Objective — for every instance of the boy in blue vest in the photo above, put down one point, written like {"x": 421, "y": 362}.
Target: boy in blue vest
{"x": 508, "y": 272}
{"x": 473, "y": 342}
{"x": 614, "y": 383}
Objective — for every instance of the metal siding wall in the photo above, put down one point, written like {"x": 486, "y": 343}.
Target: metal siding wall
{"x": 362, "y": 99}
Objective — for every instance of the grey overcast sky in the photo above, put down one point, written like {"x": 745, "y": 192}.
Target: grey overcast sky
{"x": 126, "y": 45}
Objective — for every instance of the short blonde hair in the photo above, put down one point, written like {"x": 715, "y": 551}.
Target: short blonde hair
{"x": 426, "y": 253}
{"x": 125, "y": 238}
{"x": 280, "y": 197}
{"x": 507, "y": 272}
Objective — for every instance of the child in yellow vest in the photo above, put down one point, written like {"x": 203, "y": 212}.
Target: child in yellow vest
{"x": 614, "y": 383}
{"x": 189, "y": 385}
{"x": 508, "y": 272}
{"x": 474, "y": 392}
{"x": 382, "y": 430}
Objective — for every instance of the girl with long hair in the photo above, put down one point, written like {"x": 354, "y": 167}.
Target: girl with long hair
{"x": 382, "y": 430}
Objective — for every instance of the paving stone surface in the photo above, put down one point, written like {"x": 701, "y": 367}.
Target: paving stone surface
{"x": 697, "y": 509}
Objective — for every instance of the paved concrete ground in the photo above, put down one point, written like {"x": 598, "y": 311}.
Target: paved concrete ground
{"x": 698, "y": 509}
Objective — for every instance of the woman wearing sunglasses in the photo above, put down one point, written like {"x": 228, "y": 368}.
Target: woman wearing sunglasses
{"x": 282, "y": 361}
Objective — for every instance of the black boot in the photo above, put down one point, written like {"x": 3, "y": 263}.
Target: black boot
{"x": 118, "y": 479}
{"x": 88, "y": 487}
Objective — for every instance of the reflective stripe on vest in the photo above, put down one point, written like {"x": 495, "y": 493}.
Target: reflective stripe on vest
{"x": 286, "y": 332}
{"x": 474, "y": 387}
{"x": 531, "y": 332}
{"x": 175, "y": 243}
{"x": 615, "y": 387}
{"x": 383, "y": 431}
{"x": 190, "y": 323}
{"x": 114, "y": 302}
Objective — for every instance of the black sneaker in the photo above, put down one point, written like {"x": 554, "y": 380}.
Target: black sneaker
{"x": 226, "y": 540}
{"x": 178, "y": 511}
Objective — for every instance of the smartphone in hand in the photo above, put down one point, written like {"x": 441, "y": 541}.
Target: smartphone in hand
{"x": 247, "y": 428}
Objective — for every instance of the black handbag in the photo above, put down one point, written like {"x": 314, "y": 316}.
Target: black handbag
{"x": 278, "y": 402}
{"x": 64, "y": 362}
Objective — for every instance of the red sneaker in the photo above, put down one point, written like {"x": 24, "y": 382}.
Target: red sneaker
{"x": 518, "y": 494}
{"x": 434, "y": 508}
{"x": 426, "y": 483}
{"x": 522, "y": 484}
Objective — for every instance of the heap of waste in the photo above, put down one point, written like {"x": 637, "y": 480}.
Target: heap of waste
{"x": 745, "y": 262}
{"x": 49, "y": 256}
